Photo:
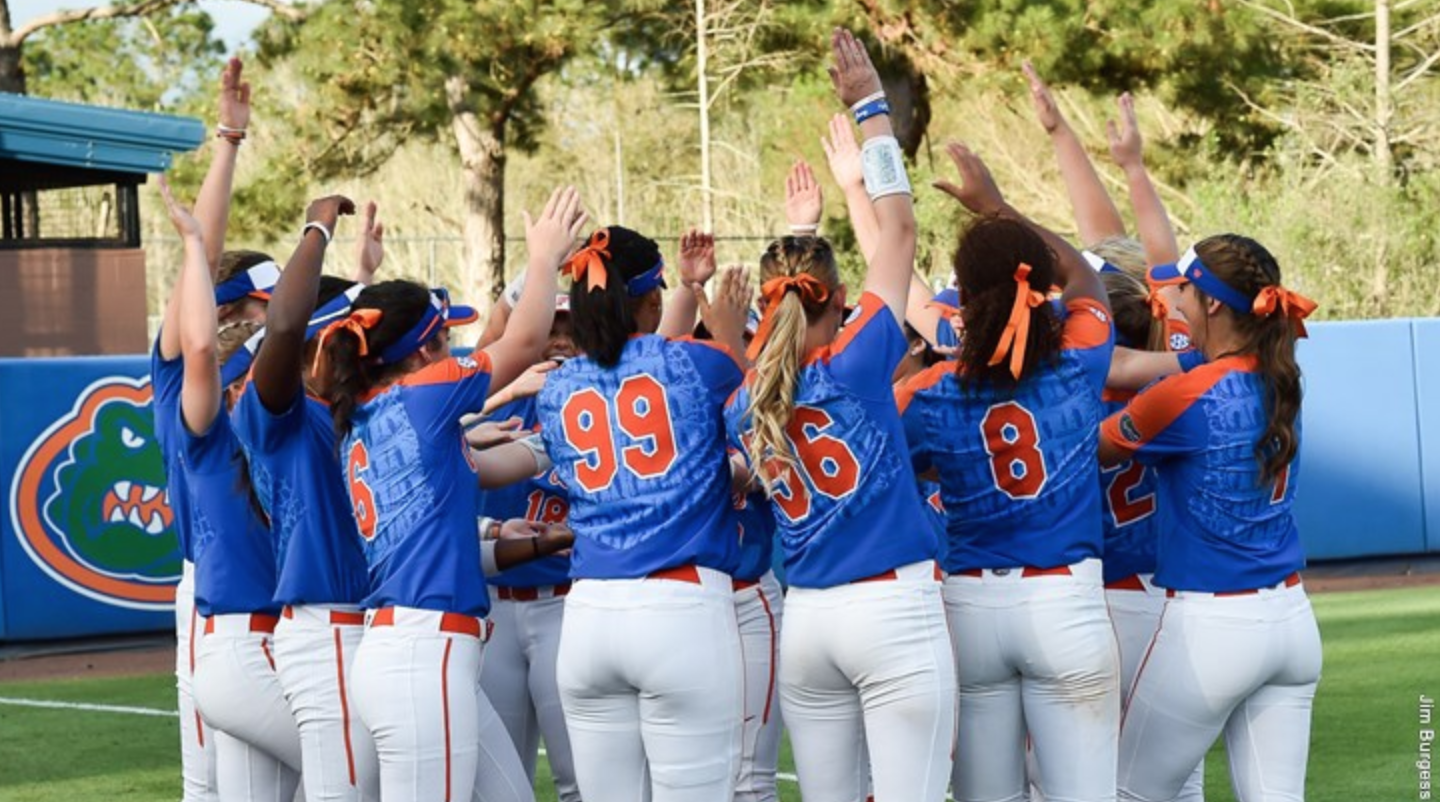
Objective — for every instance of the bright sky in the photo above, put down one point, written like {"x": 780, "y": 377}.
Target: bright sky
{"x": 234, "y": 21}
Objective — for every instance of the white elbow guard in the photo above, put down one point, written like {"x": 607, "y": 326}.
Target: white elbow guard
{"x": 487, "y": 558}
{"x": 513, "y": 290}
{"x": 884, "y": 168}
{"x": 543, "y": 463}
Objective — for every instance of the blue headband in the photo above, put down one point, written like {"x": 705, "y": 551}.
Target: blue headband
{"x": 439, "y": 314}
{"x": 647, "y": 281}
{"x": 1191, "y": 269}
{"x": 239, "y": 362}
{"x": 1098, "y": 263}
{"x": 257, "y": 281}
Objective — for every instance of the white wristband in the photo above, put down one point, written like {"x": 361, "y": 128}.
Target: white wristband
{"x": 884, "y": 168}
{"x": 318, "y": 226}
{"x": 513, "y": 290}
{"x": 543, "y": 462}
{"x": 485, "y": 526}
{"x": 873, "y": 96}
{"x": 805, "y": 230}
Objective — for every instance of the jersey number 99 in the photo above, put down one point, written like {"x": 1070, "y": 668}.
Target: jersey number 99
{"x": 643, "y": 413}
{"x": 362, "y": 500}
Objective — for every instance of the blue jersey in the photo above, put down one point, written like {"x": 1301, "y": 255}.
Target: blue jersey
{"x": 934, "y": 500}
{"x": 298, "y": 480}
{"x": 641, "y": 447}
{"x": 847, "y": 507}
{"x": 1130, "y": 500}
{"x": 414, "y": 488}
{"x": 167, "y": 377}
{"x": 540, "y": 498}
{"x": 1222, "y": 530}
{"x": 757, "y": 536}
{"x": 234, "y": 551}
{"x": 1018, "y": 466}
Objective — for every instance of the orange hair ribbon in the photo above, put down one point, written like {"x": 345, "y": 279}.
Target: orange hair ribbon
{"x": 1017, "y": 329}
{"x": 1159, "y": 307}
{"x": 590, "y": 260}
{"x": 1290, "y": 304}
{"x": 357, "y": 322}
{"x": 812, "y": 291}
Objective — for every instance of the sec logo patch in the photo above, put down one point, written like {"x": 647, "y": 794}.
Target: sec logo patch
{"x": 88, "y": 500}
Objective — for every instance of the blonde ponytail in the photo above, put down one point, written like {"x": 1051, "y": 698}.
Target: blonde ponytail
{"x": 772, "y": 395}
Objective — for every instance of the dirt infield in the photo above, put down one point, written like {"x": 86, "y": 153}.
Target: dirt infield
{"x": 157, "y": 657}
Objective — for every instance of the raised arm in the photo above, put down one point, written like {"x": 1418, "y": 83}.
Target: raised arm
{"x": 1095, "y": 212}
{"x": 200, "y": 390}
{"x": 804, "y": 202}
{"x": 277, "y": 370}
{"x": 858, "y": 85}
{"x": 725, "y": 314}
{"x": 547, "y": 238}
{"x": 369, "y": 246}
{"x": 842, "y": 153}
{"x": 978, "y": 193}
{"x": 696, "y": 265}
{"x": 1156, "y": 233}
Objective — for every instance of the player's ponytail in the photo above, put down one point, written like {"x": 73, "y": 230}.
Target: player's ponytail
{"x": 1000, "y": 266}
{"x": 1247, "y": 267}
{"x": 613, "y": 274}
{"x": 348, "y": 361}
{"x": 1139, "y": 314}
{"x": 798, "y": 278}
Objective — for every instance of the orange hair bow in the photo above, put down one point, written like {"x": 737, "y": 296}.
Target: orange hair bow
{"x": 1017, "y": 329}
{"x": 1290, "y": 304}
{"x": 812, "y": 291}
{"x": 1159, "y": 307}
{"x": 590, "y": 261}
{"x": 357, "y": 322}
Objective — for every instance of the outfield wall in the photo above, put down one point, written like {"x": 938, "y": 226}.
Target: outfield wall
{"x": 87, "y": 544}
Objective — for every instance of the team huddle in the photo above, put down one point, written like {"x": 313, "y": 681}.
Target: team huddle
{"x": 1036, "y": 530}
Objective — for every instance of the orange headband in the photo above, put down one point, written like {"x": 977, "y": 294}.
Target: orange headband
{"x": 811, "y": 290}
{"x": 357, "y": 322}
{"x": 1017, "y": 329}
{"x": 589, "y": 260}
{"x": 1290, "y": 304}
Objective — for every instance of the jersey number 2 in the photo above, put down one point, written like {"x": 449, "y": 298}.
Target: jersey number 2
{"x": 1013, "y": 443}
{"x": 643, "y": 412}
{"x": 1124, "y": 509}
{"x": 361, "y": 498}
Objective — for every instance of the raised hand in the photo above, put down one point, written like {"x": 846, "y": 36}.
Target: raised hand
{"x": 724, "y": 315}
{"x": 803, "y": 200}
{"x": 1045, "y": 109}
{"x": 1125, "y": 143}
{"x": 697, "y": 257}
{"x": 369, "y": 246}
{"x": 977, "y": 190}
{"x": 234, "y": 96}
{"x": 532, "y": 381}
{"x": 185, "y": 224}
{"x": 853, "y": 74}
{"x": 842, "y": 152}
{"x": 551, "y": 234}
{"x": 327, "y": 210}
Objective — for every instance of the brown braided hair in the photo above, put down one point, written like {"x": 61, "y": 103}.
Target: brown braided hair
{"x": 1247, "y": 266}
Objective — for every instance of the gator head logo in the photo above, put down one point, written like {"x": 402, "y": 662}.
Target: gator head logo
{"x": 88, "y": 501}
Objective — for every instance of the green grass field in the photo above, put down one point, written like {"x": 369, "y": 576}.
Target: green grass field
{"x": 1381, "y": 653}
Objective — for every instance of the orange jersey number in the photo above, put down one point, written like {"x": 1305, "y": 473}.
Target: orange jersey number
{"x": 361, "y": 498}
{"x": 826, "y": 464}
{"x": 1124, "y": 509}
{"x": 643, "y": 410}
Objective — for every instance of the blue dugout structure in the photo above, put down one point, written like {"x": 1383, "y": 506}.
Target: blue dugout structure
{"x": 87, "y": 547}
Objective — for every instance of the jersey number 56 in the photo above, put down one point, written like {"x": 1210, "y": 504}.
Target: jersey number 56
{"x": 643, "y": 412}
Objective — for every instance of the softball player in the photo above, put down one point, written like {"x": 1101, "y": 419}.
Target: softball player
{"x": 649, "y": 664}
{"x": 290, "y": 444}
{"x": 1237, "y": 649}
{"x": 1011, "y": 430}
{"x": 197, "y": 751}
{"x": 235, "y": 687}
{"x": 396, "y": 397}
{"x": 865, "y": 668}
{"x": 527, "y": 604}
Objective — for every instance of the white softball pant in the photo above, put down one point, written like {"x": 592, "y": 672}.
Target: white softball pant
{"x": 1135, "y": 612}
{"x": 650, "y": 680}
{"x": 257, "y": 746}
{"x": 1034, "y": 651}
{"x": 518, "y": 677}
{"x": 197, "y": 745}
{"x": 1245, "y": 665}
{"x": 314, "y": 651}
{"x": 759, "y": 608}
{"x": 866, "y": 667}
{"x": 417, "y": 690}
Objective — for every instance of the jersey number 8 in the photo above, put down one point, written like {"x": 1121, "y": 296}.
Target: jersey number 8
{"x": 643, "y": 412}
{"x": 1013, "y": 443}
